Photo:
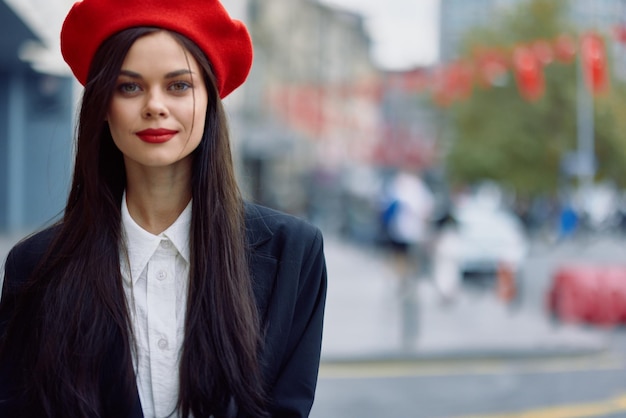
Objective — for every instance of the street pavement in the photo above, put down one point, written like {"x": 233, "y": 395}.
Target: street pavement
{"x": 370, "y": 317}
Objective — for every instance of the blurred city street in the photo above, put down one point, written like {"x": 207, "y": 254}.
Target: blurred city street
{"x": 369, "y": 317}
{"x": 475, "y": 357}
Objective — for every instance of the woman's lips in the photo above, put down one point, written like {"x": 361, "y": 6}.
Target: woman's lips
{"x": 156, "y": 136}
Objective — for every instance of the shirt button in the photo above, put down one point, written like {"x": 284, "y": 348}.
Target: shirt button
{"x": 162, "y": 343}
{"x": 162, "y": 275}
{"x": 166, "y": 244}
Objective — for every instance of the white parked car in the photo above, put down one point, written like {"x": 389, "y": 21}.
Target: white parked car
{"x": 483, "y": 243}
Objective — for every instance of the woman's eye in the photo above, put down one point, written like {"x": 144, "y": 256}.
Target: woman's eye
{"x": 128, "y": 88}
{"x": 180, "y": 86}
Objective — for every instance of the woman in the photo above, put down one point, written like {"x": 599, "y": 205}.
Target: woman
{"x": 160, "y": 292}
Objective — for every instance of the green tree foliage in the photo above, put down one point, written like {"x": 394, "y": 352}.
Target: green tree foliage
{"x": 610, "y": 135}
{"x": 498, "y": 135}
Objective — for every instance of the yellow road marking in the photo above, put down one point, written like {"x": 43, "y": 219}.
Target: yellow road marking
{"x": 597, "y": 409}
{"x": 407, "y": 369}
{"x": 399, "y": 369}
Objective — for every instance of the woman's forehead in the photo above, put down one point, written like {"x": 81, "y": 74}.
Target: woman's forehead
{"x": 159, "y": 51}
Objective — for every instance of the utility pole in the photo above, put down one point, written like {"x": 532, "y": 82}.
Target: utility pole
{"x": 585, "y": 167}
{"x": 585, "y": 155}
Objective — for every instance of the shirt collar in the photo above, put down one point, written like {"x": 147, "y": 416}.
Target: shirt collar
{"x": 141, "y": 244}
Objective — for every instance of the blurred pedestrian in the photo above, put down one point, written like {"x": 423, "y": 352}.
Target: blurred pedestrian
{"x": 160, "y": 292}
{"x": 408, "y": 208}
{"x": 568, "y": 221}
{"x": 446, "y": 258}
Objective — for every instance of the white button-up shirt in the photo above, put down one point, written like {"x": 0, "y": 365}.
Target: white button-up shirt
{"x": 156, "y": 277}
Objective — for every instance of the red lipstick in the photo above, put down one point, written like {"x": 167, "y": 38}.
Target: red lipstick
{"x": 156, "y": 136}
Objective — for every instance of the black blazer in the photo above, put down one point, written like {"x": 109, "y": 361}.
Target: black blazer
{"x": 289, "y": 282}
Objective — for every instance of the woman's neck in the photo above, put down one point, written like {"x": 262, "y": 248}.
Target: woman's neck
{"x": 156, "y": 199}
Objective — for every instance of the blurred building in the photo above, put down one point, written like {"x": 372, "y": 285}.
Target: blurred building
{"x": 409, "y": 136}
{"x": 36, "y": 108}
{"x": 311, "y": 104}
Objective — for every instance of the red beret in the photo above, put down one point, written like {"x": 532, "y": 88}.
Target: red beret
{"x": 225, "y": 41}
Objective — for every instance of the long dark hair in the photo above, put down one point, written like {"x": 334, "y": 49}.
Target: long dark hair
{"x": 81, "y": 311}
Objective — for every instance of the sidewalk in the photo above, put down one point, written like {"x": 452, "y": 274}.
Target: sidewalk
{"x": 368, "y": 319}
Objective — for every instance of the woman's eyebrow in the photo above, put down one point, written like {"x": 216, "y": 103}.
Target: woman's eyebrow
{"x": 178, "y": 73}
{"x": 172, "y": 74}
{"x": 130, "y": 74}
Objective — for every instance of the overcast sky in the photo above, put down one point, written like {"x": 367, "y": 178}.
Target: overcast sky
{"x": 404, "y": 32}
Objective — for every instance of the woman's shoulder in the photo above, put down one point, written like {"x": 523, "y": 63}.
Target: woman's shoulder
{"x": 35, "y": 244}
{"x": 277, "y": 220}
{"x": 23, "y": 257}
{"x": 263, "y": 222}
{"x": 28, "y": 251}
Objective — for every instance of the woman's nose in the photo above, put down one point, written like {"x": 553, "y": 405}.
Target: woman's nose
{"x": 155, "y": 106}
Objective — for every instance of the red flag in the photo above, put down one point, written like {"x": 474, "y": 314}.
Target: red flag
{"x": 543, "y": 51}
{"x": 528, "y": 73}
{"x": 594, "y": 62}
{"x": 565, "y": 48}
{"x": 620, "y": 33}
{"x": 452, "y": 82}
{"x": 491, "y": 67}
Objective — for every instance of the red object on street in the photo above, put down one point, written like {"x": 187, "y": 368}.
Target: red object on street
{"x": 591, "y": 294}
{"x": 529, "y": 73}
{"x": 594, "y": 62}
{"x": 506, "y": 287}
